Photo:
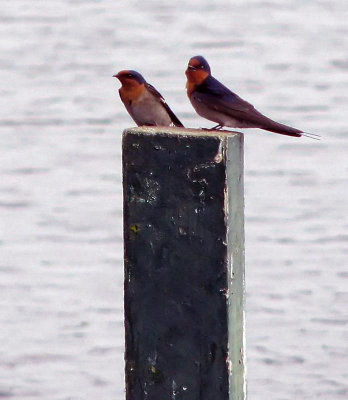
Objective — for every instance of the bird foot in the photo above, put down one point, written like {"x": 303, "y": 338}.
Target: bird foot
{"x": 214, "y": 128}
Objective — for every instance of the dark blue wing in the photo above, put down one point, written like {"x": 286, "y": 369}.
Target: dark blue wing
{"x": 222, "y": 98}
{"x": 157, "y": 94}
{"x": 218, "y": 97}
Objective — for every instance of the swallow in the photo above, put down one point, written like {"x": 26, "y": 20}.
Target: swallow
{"x": 143, "y": 102}
{"x": 214, "y": 101}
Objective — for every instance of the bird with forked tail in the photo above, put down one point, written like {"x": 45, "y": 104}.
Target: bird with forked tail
{"x": 214, "y": 101}
{"x": 143, "y": 102}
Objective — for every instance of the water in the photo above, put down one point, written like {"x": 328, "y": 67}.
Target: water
{"x": 60, "y": 192}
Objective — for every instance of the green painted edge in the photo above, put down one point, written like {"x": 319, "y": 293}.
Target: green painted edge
{"x": 234, "y": 205}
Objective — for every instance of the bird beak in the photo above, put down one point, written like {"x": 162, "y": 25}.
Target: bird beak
{"x": 115, "y": 76}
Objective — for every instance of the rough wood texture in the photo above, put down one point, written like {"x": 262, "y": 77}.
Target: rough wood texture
{"x": 184, "y": 264}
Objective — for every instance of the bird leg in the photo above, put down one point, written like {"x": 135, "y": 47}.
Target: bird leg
{"x": 214, "y": 128}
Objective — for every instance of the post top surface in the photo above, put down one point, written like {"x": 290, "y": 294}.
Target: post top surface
{"x": 168, "y": 130}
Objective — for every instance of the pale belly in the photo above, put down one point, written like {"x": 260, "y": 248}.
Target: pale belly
{"x": 148, "y": 111}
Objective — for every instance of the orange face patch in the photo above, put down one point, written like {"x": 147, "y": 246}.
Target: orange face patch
{"x": 131, "y": 89}
{"x": 194, "y": 78}
{"x": 125, "y": 79}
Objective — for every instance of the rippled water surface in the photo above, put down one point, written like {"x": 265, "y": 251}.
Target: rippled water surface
{"x": 61, "y": 120}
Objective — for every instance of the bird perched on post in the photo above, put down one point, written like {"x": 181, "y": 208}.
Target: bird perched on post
{"x": 143, "y": 102}
{"x": 214, "y": 101}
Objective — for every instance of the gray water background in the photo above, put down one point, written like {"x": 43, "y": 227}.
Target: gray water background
{"x": 61, "y": 312}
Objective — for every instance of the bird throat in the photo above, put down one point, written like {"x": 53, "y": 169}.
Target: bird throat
{"x": 190, "y": 86}
{"x": 131, "y": 90}
{"x": 194, "y": 79}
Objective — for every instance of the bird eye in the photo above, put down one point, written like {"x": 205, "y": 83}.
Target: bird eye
{"x": 130, "y": 76}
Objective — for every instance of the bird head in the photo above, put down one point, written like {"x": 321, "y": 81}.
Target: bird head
{"x": 129, "y": 78}
{"x": 197, "y": 70}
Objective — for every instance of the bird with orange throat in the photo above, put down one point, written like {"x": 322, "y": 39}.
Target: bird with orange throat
{"x": 215, "y": 102}
{"x": 143, "y": 102}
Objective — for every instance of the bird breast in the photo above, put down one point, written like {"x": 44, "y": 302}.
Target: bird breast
{"x": 148, "y": 110}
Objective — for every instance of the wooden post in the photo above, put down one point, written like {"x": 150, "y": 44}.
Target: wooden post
{"x": 184, "y": 264}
